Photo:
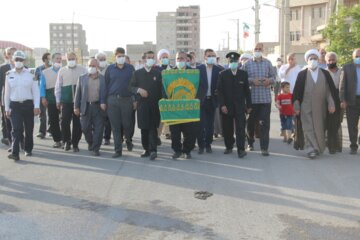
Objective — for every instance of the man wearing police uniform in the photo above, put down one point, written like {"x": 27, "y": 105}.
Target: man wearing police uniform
{"x": 234, "y": 101}
{"x": 22, "y": 99}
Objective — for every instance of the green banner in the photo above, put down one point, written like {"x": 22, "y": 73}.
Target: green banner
{"x": 179, "y": 111}
{"x": 181, "y": 87}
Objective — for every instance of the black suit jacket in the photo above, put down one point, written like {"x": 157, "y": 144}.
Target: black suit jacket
{"x": 348, "y": 84}
{"x": 204, "y": 82}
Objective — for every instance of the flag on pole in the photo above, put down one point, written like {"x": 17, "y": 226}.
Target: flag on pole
{"x": 246, "y": 29}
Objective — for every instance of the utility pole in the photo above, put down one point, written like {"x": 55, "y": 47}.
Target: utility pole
{"x": 228, "y": 40}
{"x": 238, "y": 36}
{"x": 257, "y": 21}
{"x": 72, "y": 33}
{"x": 286, "y": 30}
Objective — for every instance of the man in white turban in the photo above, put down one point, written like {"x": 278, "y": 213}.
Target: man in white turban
{"x": 164, "y": 59}
{"x": 315, "y": 102}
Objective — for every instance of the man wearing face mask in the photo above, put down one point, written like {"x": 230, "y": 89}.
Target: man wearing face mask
{"x": 350, "y": 98}
{"x": 64, "y": 93}
{"x": 261, "y": 77}
{"x": 89, "y": 105}
{"x": 119, "y": 100}
{"x": 46, "y": 58}
{"x": 103, "y": 65}
{"x": 209, "y": 74}
{"x": 189, "y": 130}
{"x": 146, "y": 83}
{"x": 335, "y": 144}
{"x": 193, "y": 63}
{"x": 4, "y": 68}
{"x": 315, "y": 101}
{"x": 22, "y": 99}
{"x": 234, "y": 102}
{"x": 47, "y": 87}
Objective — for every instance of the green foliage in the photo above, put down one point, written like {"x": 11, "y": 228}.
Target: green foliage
{"x": 30, "y": 62}
{"x": 343, "y": 33}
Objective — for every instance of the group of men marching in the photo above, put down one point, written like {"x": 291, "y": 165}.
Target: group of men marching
{"x": 103, "y": 98}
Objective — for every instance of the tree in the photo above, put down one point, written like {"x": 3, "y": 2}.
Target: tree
{"x": 343, "y": 32}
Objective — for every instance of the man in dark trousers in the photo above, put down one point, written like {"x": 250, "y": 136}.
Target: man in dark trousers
{"x": 146, "y": 83}
{"x": 90, "y": 105}
{"x": 350, "y": 98}
{"x": 209, "y": 74}
{"x": 234, "y": 101}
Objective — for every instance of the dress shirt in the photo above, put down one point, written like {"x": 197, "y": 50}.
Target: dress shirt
{"x": 21, "y": 87}
{"x": 291, "y": 76}
{"x": 93, "y": 89}
{"x": 118, "y": 79}
{"x": 209, "y": 75}
{"x": 358, "y": 81}
{"x": 314, "y": 74}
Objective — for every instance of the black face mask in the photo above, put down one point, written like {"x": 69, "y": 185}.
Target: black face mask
{"x": 331, "y": 65}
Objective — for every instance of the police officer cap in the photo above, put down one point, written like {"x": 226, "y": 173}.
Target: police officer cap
{"x": 19, "y": 54}
{"x": 233, "y": 56}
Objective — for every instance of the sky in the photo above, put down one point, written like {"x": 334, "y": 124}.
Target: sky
{"x": 110, "y": 24}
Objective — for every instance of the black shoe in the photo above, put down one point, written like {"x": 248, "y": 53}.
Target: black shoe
{"x": 145, "y": 154}
{"x": 129, "y": 146}
{"x": 208, "y": 149}
{"x": 187, "y": 155}
{"x": 153, "y": 155}
{"x": 312, "y": 154}
{"x": 28, "y": 154}
{"x": 228, "y": 151}
{"x": 5, "y": 141}
{"x": 57, "y": 145}
{"x": 332, "y": 151}
{"x": 9, "y": 150}
{"x": 289, "y": 141}
{"x": 241, "y": 154}
{"x": 201, "y": 150}
{"x": 176, "y": 155}
{"x": 265, "y": 153}
{"x": 353, "y": 151}
{"x": 96, "y": 153}
{"x": 216, "y": 135}
{"x": 40, "y": 135}
{"x": 251, "y": 147}
{"x": 90, "y": 147}
{"x": 76, "y": 149}
{"x": 107, "y": 142}
{"x": 67, "y": 146}
{"x": 117, "y": 154}
{"x": 158, "y": 141}
{"x": 14, "y": 157}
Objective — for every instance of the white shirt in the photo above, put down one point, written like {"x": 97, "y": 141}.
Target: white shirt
{"x": 21, "y": 87}
{"x": 314, "y": 74}
{"x": 290, "y": 76}
{"x": 209, "y": 75}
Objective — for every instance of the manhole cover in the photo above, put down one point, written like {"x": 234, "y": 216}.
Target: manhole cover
{"x": 203, "y": 195}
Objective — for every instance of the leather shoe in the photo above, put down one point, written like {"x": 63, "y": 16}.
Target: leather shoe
{"x": 153, "y": 155}
{"x": 96, "y": 153}
{"x": 117, "y": 154}
{"x": 129, "y": 146}
{"x": 107, "y": 142}
{"x": 176, "y": 155}
{"x": 187, "y": 155}
{"x": 265, "y": 153}
{"x": 14, "y": 157}
{"x": 353, "y": 151}
{"x": 145, "y": 154}
{"x": 241, "y": 154}
{"x": 76, "y": 149}
{"x": 208, "y": 149}
{"x": 67, "y": 146}
{"x": 228, "y": 151}
{"x": 201, "y": 150}
{"x": 250, "y": 147}
{"x": 311, "y": 154}
{"x": 28, "y": 154}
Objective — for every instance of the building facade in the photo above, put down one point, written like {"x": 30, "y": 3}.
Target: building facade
{"x": 166, "y": 32}
{"x": 136, "y": 51}
{"x": 68, "y": 37}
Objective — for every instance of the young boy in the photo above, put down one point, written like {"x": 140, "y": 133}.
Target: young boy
{"x": 283, "y": 103}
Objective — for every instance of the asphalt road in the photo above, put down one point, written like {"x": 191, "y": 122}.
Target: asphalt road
{"x": 65, "y": 195}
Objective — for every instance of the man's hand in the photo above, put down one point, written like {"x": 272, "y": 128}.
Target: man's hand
{"x": 77, "y": 111}
{"x": 297, "y": 112}
{"x": 257, "y": 82}
{"x": 8, "y": 114}
{"x": 36, "y": 111}
{"x": 103, "y": 107}
{"x": 143, "y": 93}
{"x": 44, "y": 102}
{"x": 343, "y": 105}
{"x": 266, "y": 82}
{"x": 58, "y": 106}
{"x": 331, "y": 109}
{"x": 224, "y": 110}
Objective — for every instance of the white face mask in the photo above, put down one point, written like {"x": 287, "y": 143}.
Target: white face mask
{"x": 150, "y": 62}
{"x": 211, "y": 60}
{"x": 312, "y": 64}
{"x": 279, "y": 63}
{"x": 72, "y": 63}
{"x": 257, "y": 54}
{"x": 102, "y": 64}
{"x": 92, "y": 70}
{"x": 120, "y": 60}
{"x": 57, "y": 65}
{"x": 19, "y": 65}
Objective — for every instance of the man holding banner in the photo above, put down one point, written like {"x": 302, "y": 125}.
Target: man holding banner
{"x": 146, "y": 83}
{"x": 182, "y": 108}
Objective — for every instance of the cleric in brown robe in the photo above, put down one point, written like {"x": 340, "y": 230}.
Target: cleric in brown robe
{"x": 315, "y": 101}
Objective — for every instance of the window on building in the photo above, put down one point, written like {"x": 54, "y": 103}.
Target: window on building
{"x": 313, "y": 12}
{"x": 76, "y": 42}
{"x": 60, "y": 34}
{"x": 76, "y": 35}
{"x": 61, "y": 42}
{"x": 194, "y": 14}
{"x": 54, "y": 42}
{"x": 186, "y": 43}
{"x": 54, "y": 34}
{"x": 68, "y": 34}
{"x": 321, "y": 13}
{"x": 68, "y": 27}
{"x": 298, "y": 35}
{"x": 75, "y": 27}
{"x": 68, "y": 42}
{"x": 292, "y": 36}
{"x": 54, "y": 27}
{"x": 296, "y": 14}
